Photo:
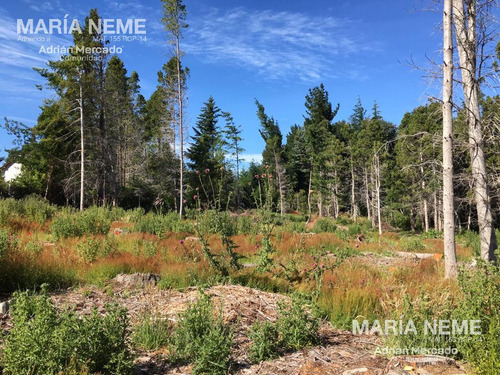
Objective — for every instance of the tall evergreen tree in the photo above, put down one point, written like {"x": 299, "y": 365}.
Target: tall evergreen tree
{"x": 272, "y": 156}
{"x": 318, "y": 133}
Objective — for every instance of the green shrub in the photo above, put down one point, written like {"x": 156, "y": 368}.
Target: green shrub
{"x": 294, "y": 329}
{"x": 297, "y": 327}
{"x": 7, "y": 208}
{"x": 36, "y": 209}
{"x": 324, "y": 225}
{"x": 4, "y": 242}
{"x": 92, "y": 248}
{"x": 160, "y": 224}
{"x": 246, "y": 225}
{"x": 421, "y": 309}
{"x": 89, "y": 250}
{"x": 151, "y": 333}
{"x": 149, "y": 248}
{"x": 33, "y": 247}
{"x": 45, "y": 341}
{"x": 94, "y": 220}
{"x": 135, "y": 214}
{"x": 203, "y": 338}
{"x": 265, "y": 344}
{"x": 413, "y": 244}
{"x": 480, "y": 301}
{"x": 33, "y": 208}
{"x": 471, "y": 239}
{"x": 343, "y": 220}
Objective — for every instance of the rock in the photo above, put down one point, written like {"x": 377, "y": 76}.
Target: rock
{"x": 136, "y": 279}
{"x": 4, "y": 307}
{"x": 361, "y": 370}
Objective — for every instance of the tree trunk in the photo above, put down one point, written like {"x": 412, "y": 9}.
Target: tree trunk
{"x": 336, "y": 196}
{"x": 465, "y": 26}
{"x": 436, "y": 213}
{"x": 279, "y": 173}
{"x": 354, "y": 208}
{"x": 367, "y": 193}
{"x": 181, "y": 130}
{"x": 309, "y": 195}
{"x": 424, "y": 200}
{"x": 448, "y": 196}
{"x": 377, "y": 193}
{"x": 82, "y": 147}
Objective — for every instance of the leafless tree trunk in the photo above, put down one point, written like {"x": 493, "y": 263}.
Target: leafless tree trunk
{"x": 377, "y": 191}
{"x": 180, "y": 103}
{"x": 354, "y": 207}
{"x": 367, "y": 193}
{"x": 448, "y": 195}
{"x": 309, "y": 194}
{"x": 424, "y": 199}
{"x": 436, "y": 211}
{"x": 279, "y": 173}
{"x": 82, "y": 145}
{"x": 465, "y": 27}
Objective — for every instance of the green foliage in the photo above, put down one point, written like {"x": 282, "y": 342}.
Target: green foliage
{"x": 470, "y": 239}
{"x": 94, "y": 220}
{"x": 324, "y": 225}
{"x": 203, "y": 338}
{"x": 32, "y": 208}
{"x": 45, "y": 341}
{"x": 265, "y": 343}
{"x": 295, "y": 328}
{"x": 344, "y": 306}
{"x": 246, "y": 225}
{"x": 422, "y": 309}
{"x": 215, "y": 222}
{"x": 413, "y": 244}
{"x": 5, "y": 241}
{"x": 151, "y": 333}
{"x": 161, "y": 224}
{"x": 33, "y": 247}
{"x": 93, "y": 248}
{"x": 480, "y": 301}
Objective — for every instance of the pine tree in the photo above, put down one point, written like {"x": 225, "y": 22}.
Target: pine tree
{"x": 318, "y": 133}
{"x": 272, "y": 156}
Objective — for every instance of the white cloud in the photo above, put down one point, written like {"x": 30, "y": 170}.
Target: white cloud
{"x": 251, "y": 157}
{"x": 277, "y": 45}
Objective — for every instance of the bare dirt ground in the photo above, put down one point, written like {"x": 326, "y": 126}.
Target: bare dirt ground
{"x": 340, "y": 352}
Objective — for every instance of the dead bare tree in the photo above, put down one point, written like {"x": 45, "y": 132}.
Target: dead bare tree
{"x": 469, "y": 20}
{"x": 448, "y": 194}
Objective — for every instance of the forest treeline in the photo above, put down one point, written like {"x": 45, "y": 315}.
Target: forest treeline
{"x": 365, "y": 165}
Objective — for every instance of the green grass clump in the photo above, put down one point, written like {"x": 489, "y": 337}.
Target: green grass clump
{"x": 45, "y": 341}
{"x": 151, "y": 333}
{"x": 202, "y": 338}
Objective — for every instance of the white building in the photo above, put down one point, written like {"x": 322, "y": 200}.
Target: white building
{"x": 12, "y": 172}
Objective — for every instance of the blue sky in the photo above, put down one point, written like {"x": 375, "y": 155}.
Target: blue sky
{"x": 239, "y": 50}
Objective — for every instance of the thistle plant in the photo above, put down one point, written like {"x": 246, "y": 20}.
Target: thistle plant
{"x": 212, "y": 220}
{"x": 264, "y": 202}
